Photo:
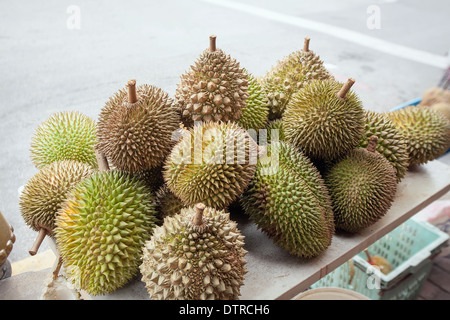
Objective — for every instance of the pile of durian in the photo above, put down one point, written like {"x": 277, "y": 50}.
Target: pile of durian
{"x": 148, "y": 188}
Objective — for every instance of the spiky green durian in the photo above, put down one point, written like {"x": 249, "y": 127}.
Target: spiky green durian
{"x": 289, "y": 75}
{"x": 362, "y": 187}
{"x": 101, "y": 230}
{"x": 197, "y": 254}
{"x": 255, "y": 113}
{"x": 288, "y": 200}
{"x": 391, "y": 144}
{"x": 427, "y": 132}
{"x": 213, "y": 89}
{"x": 46, "y": 191}
{"x": 212, "y": 163}
{"x": 136, "y": 127}
{"x": 167, "y": 203}
{"x": 325, "y": 119}
{"x": 66, "y": 135}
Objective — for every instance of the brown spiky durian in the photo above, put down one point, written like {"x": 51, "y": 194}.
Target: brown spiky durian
{"x": 214, "y": 88}
{"x": 136, "y": 127}
{"x": 289, "y": 75}
{"x": 197, "y": 254}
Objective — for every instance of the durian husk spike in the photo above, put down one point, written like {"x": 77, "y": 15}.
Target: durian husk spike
{"x": 37, "y": 242}
{"x": 372, "y": 146}
{"x": 57, "y": 268}
{"x": 102, "y": 162}
{"x": 198, "y": 218}
{"x": 132, "y": 95}
{"x": 306, "y": 45}
{"x": 345, "y": 88}
{"x": 212, "y": 43}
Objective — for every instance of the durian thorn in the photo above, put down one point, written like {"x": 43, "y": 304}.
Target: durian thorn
{"x": 345, "y": 88}
{"x": 198, "y": 218}
{"x": 37, "y": 243}
{"x": 212, "y": 43}
{"x": 369, "y": 258}
{"x": 102, "y": 162}
{"x": 306, "y": 45}
{"x": 372, "y": 146}
{"x": 57, "y": 268}
{"x": 132, "y": 95}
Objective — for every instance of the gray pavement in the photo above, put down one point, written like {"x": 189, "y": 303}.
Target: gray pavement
{"x": 46, "y": 66}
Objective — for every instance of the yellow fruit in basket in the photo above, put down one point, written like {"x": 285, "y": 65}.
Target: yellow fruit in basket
{"x": 379, "y": 261}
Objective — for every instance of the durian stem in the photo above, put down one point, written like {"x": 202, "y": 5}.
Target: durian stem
{"x": 37, "y": 243}
{"x": 369, "y": 258}
{"x": 102, "y": 162}
{"x": 58, "y": 267}
{"x": 132, "y": 95}
{"x": 306, "y": 45}
{"x": 372, "y": 146}
{"x": 345, "y": 88}
{"x": 212, "y": 43}
{"x": 198, "y": 219}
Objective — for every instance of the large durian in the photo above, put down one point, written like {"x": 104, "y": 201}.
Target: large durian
{"x": 66, "y": 135}
{"x": 289, "y": 75}
{"x": 426, "y": 131}
{"x": 362, "y": 187}
{"x": 391, "y": 144}
{"x": 213, "y": 163}
{"x": 136, "y": 127}
{"x": 325, "y": 119}
{"x": 288, "y": 200}
{"x": 197, "y": 254}
{"x": 213, "y": 89}
{"x": 255, "y": 113}
{"x": 101, "y": 230}
{"x": 45, "y": 192}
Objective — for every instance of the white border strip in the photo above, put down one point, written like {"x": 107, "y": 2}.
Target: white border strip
{"x": 342, "y": 33}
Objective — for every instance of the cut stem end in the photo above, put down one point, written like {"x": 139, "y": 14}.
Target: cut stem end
{"x": 37, "y": 243}
{"x": 132, "y": 95}
{"x": 346, "y": 88}
{"x": 212, "y": 43}
{"x": 306, "y": 45}
{"x": 198, "y": 218}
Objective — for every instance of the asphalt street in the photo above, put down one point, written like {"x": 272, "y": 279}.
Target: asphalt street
{"x": 60, "y": 55}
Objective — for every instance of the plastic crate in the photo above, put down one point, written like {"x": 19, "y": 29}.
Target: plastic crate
{"x": 409, "y": 248}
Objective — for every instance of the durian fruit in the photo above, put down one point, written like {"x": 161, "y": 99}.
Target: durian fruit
{"x": 213, "y": 89}
{"x": 136, "y": 127}
{"x": 435, "y": 95}
{"x": 45, "y": 192}
{"x": 325, "y": 119}
{"x": 213, "y": 163}
{"x": 275, "y": 129}
{"x": 391, "y": 144}
{"x": 255, "y": 113}
{"x": 167, "y": 203}
{"x": 289, "y": 75}
{"x": 427, "y": 132}
{"x": 362, "y": 187}
{"x": 197, "y": 254}
{"x": 101, "y": 230}
{"x": 66, "y": 135}
{"x": 288, "y": 200}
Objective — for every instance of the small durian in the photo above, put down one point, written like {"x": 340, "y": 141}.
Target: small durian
{"x": 213, "y": 89}
{"x": 136, "y": 127}
{"x": 45, "y": 192}
{"x": 255, "y": 113}
{"x": 325, "y": 119}
{"x": 289, "y": 75}
{"x": 288, "y": 200}
{"x": 362, "y": 187}
{"x": 102, "y": 228}
{"x": 213, "y": 163}
{"x": 167, "y": 203}
{"x": 197, "y": 254}
{"x": 66, "y": 135}
{"x": 391, "y": 144}
{"x": 426, "y": 131}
